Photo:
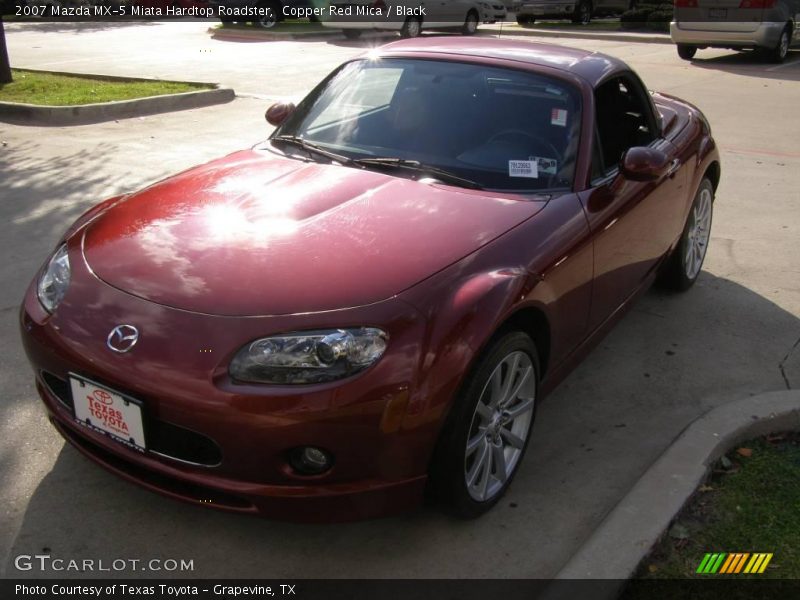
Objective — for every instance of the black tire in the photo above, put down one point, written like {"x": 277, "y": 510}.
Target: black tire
{"x": 352, "y": 34}
{"x": 411, "y": 28}
{"x": 526, "y": 20}
{"x": 781, "y": 50}
{"x": 687, "y": 51}
{"x": 272, "y": 18}
{"x": 674, "y": 276}
{"x": 449, "y": 470}
{"x": 470, "y": 26}
{"x": 583, "y": 13}
{"x": 226, "y": 20}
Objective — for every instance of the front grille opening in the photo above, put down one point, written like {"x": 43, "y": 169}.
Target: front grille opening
{"x": 188, "y": 491}
{"x": 162, "y": 438}
{"x": 183, "y": 444}
{"x": 59, "y": 388}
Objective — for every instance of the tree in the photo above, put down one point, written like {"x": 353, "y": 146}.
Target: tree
{"x": 5, "y": 66}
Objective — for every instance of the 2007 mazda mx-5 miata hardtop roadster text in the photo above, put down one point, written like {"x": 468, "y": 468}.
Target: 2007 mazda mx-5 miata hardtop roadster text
{"x": 370, "y": 305}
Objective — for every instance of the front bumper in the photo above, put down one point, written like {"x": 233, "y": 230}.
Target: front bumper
{"x": 764, "y": 35}
{"x": 178, "y": 370}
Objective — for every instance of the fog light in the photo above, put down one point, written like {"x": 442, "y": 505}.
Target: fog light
{"x": 309, "y": 460}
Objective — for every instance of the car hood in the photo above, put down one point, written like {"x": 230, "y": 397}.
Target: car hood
{"x": 257, "y": 233}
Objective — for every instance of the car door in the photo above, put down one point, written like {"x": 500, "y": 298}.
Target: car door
{"x": 444, "y": 12}
{"x": 633, "y": 222}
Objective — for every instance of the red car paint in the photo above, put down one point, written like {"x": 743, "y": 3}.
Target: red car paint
{"x": 256, "y": 244}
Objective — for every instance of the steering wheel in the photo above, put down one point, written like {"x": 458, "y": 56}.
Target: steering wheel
{"x": 539, "y": 147}
{"x": 535, "y": 141}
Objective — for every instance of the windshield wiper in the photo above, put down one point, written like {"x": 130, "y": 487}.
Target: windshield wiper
{"x": 312, "y": 148}
{"x": 415, "y": 165}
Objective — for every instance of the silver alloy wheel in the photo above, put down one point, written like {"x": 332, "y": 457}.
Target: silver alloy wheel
{"x": 471, "y": 24}
{"x": 698, "y": 234}
{"x": 413, "y": 28}
{"x": 500, "y": 426}
{"x": 783, "y": 45}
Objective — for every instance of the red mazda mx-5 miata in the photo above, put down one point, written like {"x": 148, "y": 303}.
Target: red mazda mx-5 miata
{"x": 370, "y": 304}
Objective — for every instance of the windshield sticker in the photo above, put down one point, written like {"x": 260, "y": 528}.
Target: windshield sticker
{"x": 545, "y": 165}
{"x": 558, "y": 116}
{"x": 523, "y": 168}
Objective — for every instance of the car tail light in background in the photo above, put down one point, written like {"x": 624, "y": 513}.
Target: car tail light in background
{"x": 757, "y": 4}
{"x": 685, "y": 3}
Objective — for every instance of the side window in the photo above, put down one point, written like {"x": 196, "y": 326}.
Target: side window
{"x": 623, "y": 121}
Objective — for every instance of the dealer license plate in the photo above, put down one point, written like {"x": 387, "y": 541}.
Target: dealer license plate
{"x": 108, "y": 412}
{"x": 718, "y": 13}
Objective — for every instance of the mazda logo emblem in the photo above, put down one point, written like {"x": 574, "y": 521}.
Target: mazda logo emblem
{"x": 122, "y": 338}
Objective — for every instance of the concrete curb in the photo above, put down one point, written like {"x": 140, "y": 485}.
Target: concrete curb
{"x": 256, "y": 35}
{"x": 84, "y": 114}
{"x": 616, "y": 36}
{"x": 638, "y": 521}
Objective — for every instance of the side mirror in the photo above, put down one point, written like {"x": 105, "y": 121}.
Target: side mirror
{"x": 279, "y": 112}
{"x": 644, "y": 164}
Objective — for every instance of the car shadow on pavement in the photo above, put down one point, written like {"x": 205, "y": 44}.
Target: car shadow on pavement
{"x": 67, "y": 26}
{"x": 752, "y": 64}
{"x": 670, "y": 360}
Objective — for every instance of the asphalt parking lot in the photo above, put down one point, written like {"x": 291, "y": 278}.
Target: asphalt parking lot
{"x": 670, "y": 360}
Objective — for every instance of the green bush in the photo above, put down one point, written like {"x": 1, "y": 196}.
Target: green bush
{"x": 647, "y": 16}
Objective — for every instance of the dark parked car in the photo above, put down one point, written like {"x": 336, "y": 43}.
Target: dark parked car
{"x": 264, "y": 13}
{"x": 373, "y": 301}
{"x": 769, "y": 26}
{"x": 577, "y": 11}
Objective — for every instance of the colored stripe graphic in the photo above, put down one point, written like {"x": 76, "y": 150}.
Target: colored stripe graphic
{"x": 734, "y": 563}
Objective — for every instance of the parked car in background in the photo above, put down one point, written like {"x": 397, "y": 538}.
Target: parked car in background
{"x": 493, "y": 11}
{"x": 463, "y": 15}
{"x": 374, "y": 301}
{"x": 271, "y": 12}
{"x": 769, "y": 26}
{"x": 578, "y": 11}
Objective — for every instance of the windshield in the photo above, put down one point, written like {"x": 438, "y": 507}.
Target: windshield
{"x": 500, "y": 129}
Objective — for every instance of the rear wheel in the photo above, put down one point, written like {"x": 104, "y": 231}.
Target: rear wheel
{"x": 269, "y": 15}
{"x": 583, "y": 13}
{"x": 486, "y": 434}
{"x": 687, "y": 51}
{"x": 352, "y": 34}
{"x": 470, "y": 24}
{"x": 411, "y": 28}
{"x": 781, "y": 50}
{"x": 683, "y": 267}
{"x": 526, "y": 20}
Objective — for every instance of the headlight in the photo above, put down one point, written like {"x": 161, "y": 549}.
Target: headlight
{"x": 54, "y": 281}
{"x": 308, "y": 357}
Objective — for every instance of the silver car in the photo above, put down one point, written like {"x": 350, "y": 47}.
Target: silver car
{"x": 463, "y": 15}
{"x": 769, "y": 26}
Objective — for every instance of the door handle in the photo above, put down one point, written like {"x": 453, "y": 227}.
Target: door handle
{"x": 673, "y": 168}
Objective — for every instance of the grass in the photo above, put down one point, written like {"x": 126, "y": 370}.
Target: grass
{"x": 35, "y": 87}
{"x": 750, "y": 504}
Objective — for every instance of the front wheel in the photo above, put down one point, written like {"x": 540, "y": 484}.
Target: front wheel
{"x": 781, "y": 50}
{"x": 470, "y": 24}
{"x": 487, "y": 432}
{"x": 352, "y": 34}
{"x": 686, "y": 51}
{"x": 583, "y": 13}
{"x": 683, "y": 267}
{"x": 411, "y": 28}
{"x": 526, "y": 20}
